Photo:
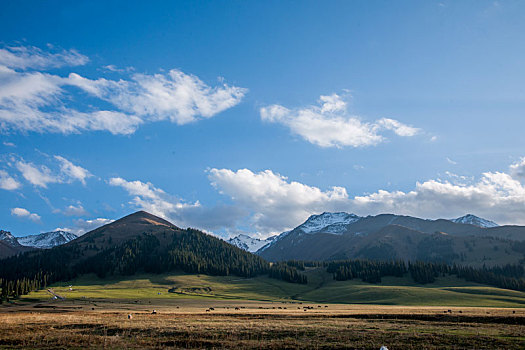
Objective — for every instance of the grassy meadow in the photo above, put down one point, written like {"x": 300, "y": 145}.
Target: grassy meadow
{"x": 446, "y": 291}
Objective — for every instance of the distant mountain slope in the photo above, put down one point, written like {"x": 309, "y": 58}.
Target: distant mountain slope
{"x": 47, "y": 240}
{"x": 7, "y": 250}
{"x": 335, "y": 223}
{"x": 474, "y": 220}
{"x": 8, "y": 238}
{"x": 248, "y": 243}
{"x": 387, "y": 236}
{"x": 9, "y": 245}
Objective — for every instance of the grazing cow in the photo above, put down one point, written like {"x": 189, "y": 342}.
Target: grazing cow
{"x": 237, "y": 308}
{"x": 207, "y": 310}
{"x": 154, "y": 312}
{"x": 130, "y": 316}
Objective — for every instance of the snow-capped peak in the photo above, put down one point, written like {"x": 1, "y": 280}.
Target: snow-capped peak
{"x": 328, "y": 222}
{"x": 474, "y": 220}
{"x": 47, "y": 240}
{"x": 7, "y": 237}
{"x": 248, "y": 243}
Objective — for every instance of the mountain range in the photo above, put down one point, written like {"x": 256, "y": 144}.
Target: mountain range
{"x": 144, "y": 243}
{"x": 329, "y": 236}
{"x": 11, "y": 245}
{"x": 466, "y": 240}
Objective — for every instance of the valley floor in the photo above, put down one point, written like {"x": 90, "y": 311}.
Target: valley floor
{"x": 446, "y": 291}
{"x": 198, "y": 311}
{"x": 185, "y": 323}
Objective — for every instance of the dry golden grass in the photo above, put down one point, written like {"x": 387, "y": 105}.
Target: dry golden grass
{"x": 187, "y": 324}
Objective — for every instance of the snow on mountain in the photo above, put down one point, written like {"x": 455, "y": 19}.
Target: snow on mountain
{"x": 335, "y": 223}
{"x": 328, "y": 222}
{"x": 474, "y": 220}
{"x": 248, "y": 243}
{"x": 7, "y": 237}
{"x": 47, "y": 240}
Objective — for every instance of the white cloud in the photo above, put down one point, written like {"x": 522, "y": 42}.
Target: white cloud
{"x": 271, "y": 203}
{"x": 24, "y": 213}
{"x": 24, "y": 57}
{"x": 74, "y": 172}
{"x": 450, "y": 161}
{"x": 175, "y": 96}
{"x": 41, "y": 175}
{"x": 8, "y": 144}
{"x": 82, "y": 226}
{"x": 399, "y": 128}
{"x": 277, "y": 204}
{"x": 156, "y": 201}
{"x": 38, "y": 176}
{"x": 113, "y": 68}
{"x": 7, "y": 182}
{"x": 151, "y": 199}
{"x": 330, "y": 125}
{"x": 495, "y": 196}
{"x": 33, "y": 100}
{"x": 74, "y": 210}
{"x": 517, "y": 170}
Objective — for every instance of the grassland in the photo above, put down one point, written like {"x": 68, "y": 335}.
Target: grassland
{"x": 446, "y": 291}
{"x": 231, "y": 312}
{"x": 263, "y": 325}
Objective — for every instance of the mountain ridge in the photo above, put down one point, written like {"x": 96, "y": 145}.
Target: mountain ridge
{"x": 389, "y": 236}
{"x": 47, "y": 240}
{"x": 475, "y": 220}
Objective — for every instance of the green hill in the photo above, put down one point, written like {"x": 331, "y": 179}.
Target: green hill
{"x": 137, "y": 243}
{"x": 445, "y": 291}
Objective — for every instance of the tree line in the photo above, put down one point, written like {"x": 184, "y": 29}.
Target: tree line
{"x": 508, "y": 276}
{"x": 287, "y": 272}
{"x": 367, "y": 270}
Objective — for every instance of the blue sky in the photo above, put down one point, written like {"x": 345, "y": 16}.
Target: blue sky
{"x": 250, "y": 116}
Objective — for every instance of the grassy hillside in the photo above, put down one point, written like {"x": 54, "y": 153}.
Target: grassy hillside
{"x": 321, "y": 288}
